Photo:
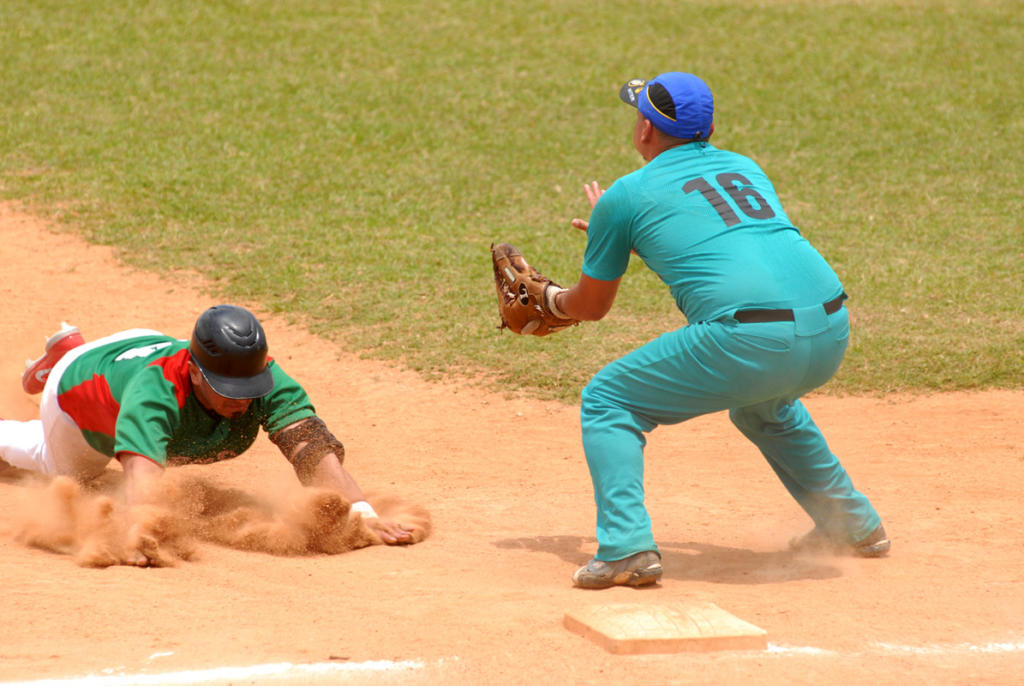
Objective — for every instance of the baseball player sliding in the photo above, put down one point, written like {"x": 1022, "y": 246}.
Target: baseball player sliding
{"x": 152, "y": 401}
{"x": 766, "y": 324}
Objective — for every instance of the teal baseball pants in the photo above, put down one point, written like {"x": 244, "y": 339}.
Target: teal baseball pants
{"x": 756, "y": 371}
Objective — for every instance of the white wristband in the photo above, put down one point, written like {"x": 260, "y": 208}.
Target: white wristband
{"x": 364, "y": 508}
{"x": 550, "y": 294}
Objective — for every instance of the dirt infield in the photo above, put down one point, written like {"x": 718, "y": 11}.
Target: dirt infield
{"x": 483, "y": 598}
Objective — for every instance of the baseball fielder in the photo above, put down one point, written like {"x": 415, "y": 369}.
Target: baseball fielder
{"x": 766, "y": 324}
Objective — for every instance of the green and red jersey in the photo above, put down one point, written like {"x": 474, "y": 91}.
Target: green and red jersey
{"x": 135, "y": 395}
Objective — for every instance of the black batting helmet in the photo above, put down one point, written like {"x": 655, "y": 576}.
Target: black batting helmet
{"x": 230, "y": 349}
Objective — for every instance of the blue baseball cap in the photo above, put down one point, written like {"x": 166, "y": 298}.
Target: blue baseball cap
{"x": 677, "y": 103}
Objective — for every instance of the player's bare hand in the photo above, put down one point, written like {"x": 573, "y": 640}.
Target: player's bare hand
{"x": 594, "y": 192}
{"x": 141, "y": 552}
{"x": 144, "y": 548}
{"x": 392, "y": 533}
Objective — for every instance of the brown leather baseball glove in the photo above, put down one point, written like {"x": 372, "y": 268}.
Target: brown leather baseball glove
{"x": 525, "y": 296}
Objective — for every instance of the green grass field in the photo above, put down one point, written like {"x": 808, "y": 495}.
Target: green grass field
{"x": 350, "y": 163}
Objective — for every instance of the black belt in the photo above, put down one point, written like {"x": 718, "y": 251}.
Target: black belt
{"x": 761, "y": 316}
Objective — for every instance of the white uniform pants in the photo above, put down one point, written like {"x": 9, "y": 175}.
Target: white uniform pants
{"x": 53, "y": 444}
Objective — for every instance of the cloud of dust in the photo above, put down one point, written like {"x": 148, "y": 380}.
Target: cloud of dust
{"x": 97, "y": 530}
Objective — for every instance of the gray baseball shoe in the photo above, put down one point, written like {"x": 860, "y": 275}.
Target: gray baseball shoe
{"x": 875, "y": 544}
{"x": 639, "y": 569}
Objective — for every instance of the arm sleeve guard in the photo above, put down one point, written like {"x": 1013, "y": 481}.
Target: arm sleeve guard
{"x": 306, "y": 444}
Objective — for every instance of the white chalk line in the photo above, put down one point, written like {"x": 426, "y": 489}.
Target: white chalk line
{"x": 796, "y": 650}
{"x": 925, "y": 650}
{"x": 199, "y": 676}
{"x": 289, "y": 670}
{"x": 951, "y": 648}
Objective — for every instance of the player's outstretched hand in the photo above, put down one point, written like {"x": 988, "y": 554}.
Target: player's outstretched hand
{"x": 594, "y": 192}
{"x": 392, "y": 533}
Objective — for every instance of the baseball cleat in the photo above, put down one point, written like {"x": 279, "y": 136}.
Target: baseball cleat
{"x": 640, "y": 569}
{"x": 875, "y": 544}
{"x": 37, "y": 371}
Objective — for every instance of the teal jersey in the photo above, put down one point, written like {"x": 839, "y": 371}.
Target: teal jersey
{"x": 709, "y": 223}
{"x": 135, "y": 395}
